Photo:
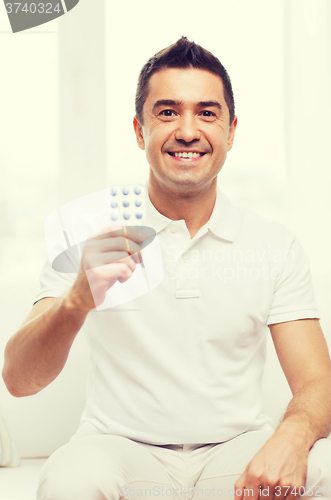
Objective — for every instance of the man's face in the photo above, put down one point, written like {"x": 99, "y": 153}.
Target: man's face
{"x": 186, "y": 132}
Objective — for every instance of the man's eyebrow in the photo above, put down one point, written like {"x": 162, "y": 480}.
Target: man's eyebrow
{"x": 209, "y": 104}
{"x": 166, "y": 102}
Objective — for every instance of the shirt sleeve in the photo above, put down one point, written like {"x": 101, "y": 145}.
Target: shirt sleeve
{"x": 293, "y": 296}
{"x": 53, "y": 283}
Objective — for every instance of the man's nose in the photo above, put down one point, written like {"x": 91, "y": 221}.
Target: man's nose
{"x": 187, "y": 129}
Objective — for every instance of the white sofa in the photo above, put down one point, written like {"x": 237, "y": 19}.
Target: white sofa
{"x": 42, "y": 423}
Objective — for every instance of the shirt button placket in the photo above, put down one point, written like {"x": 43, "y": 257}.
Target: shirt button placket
{"x": 185, "y": 258}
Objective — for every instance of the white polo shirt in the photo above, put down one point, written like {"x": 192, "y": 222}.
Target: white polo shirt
{"x": 182, "y": 363}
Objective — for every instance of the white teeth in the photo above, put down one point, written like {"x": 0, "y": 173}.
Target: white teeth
{"x": 187, "y": 155}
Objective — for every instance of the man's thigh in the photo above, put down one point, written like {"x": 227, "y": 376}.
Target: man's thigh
{"x": 226, "y": 463}
{"x": 230, "y": 459}
{"x": 101, "y": 467}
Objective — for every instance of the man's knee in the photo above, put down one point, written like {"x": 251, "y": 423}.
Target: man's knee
{"x": 53, "y": 487}
{"x": 98, "y": 467}
{"x": 81, "y": 470}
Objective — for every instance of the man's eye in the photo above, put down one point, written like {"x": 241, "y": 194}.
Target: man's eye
{"x": 208, "y": 114}
{"x": 167, "y": 112}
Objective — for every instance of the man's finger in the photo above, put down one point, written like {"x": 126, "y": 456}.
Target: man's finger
{"x": 291, "y": 493}
{"x": 118, "y": 243}
{"x": 137, "y": 234}
{"x": 278, "y": 492}
{"x": 239, "y": 488}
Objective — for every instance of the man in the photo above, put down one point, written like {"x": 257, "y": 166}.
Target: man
{"x": 173, "y": 406}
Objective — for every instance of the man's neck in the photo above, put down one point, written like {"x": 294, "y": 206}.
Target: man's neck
{"x": 194, "y": 208}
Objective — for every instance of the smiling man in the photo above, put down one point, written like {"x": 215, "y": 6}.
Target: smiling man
{"x": 174, "y": 401}
{"x": 185, "y": 129}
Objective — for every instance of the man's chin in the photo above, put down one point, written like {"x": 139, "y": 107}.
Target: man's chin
{"x": 187, "y": 186}
{"x": 180, "y": 181}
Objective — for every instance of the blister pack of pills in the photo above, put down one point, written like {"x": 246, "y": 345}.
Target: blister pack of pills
{"x": 127, "y": 204}
{"x": 68, "y": 228}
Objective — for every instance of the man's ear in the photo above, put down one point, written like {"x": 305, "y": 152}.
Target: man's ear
{"x": 139, "y": 133}
{"x": 232, "y": 131}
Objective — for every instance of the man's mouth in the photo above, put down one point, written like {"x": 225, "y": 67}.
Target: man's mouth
{"x": 185, "y": 154}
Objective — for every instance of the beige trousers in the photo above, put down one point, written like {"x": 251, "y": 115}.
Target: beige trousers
{"x": 110, "y": 467}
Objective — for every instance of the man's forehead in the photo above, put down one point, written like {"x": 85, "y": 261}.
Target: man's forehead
{"x": 180, "y": 83}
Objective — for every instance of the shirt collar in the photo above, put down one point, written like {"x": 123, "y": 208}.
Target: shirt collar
{"x": 222, "y": 221}
{"x": 223, "y": 218}
{"x": 154, "y": 219}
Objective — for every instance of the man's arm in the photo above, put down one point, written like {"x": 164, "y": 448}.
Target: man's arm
{"x": 305, "y": 360}
{"x": 38, "y": 351}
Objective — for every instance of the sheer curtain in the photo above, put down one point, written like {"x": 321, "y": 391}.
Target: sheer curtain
{"x": 28, "y": 162}
{"x": 308, "y": 132}
{"x": 28, "y": 178}
{"x": 308, "y": 126}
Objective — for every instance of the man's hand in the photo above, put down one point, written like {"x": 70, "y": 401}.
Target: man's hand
{"x": 277, "y": 471}
{"x": 106, "y": 258}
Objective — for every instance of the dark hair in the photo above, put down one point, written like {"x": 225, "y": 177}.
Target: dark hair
{"x": 182, "y": 54}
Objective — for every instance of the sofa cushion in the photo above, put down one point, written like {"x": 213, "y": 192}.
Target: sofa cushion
{"x": 8, "y": 452}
